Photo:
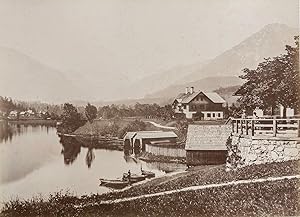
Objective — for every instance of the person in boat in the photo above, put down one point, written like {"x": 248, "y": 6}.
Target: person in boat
{"x": 129, "y": 177}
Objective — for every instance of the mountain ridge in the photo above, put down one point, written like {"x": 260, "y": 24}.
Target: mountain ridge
{"x": 34, "y": 79}
{"x": 270, "y": 41}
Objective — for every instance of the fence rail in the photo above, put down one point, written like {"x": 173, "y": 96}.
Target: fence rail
{"x": 288, "y": 127}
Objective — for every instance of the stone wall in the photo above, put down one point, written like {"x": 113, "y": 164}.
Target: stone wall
{"x": 244, "y": 151}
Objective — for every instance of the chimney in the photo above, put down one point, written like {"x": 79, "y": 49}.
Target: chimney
{"x": 186, "y": 90}
{"x": 192, "y": 90}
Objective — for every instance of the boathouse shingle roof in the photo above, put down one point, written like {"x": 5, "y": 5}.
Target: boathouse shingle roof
{"x": 150, "y": 135}
{"x": 207, "y": 137}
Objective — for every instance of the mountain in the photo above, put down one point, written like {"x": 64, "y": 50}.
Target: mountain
{"x": 228, "y": 93}
{"x": 270, "y": 41}
{"x": 158, "y": 81}
{"x": 23, "y": 77}
{"x": 223, "y": 70}
{"x": 129, "y": 102}
{"x": 205, "y": 84}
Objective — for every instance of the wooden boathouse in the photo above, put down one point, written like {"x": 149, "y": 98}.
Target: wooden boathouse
{"x": 140, "y": 138}
{"x": 206, "y": 144}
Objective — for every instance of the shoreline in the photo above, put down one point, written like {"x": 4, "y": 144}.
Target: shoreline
{"x": 180, "y": 192}
{"x": 94, "y": 142}
{"x": 33, "y": 122}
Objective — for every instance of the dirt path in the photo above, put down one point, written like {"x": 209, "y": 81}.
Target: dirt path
{"x": 161, "y": 126}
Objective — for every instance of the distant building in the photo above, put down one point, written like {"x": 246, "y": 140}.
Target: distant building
{"x": 26, "y": 114}
{"x": 278, "y": 111}
{"x": 257, "y": 112}
{"x": 22, "y": 114}
{"x": 206, "y": 144}
{"x": 13, "y": 115}
{"x": 290, "y": 112}
{"x": 29, "y": 112}
{"x": 204, "y": 105}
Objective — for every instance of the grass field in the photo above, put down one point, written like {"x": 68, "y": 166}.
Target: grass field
{"x": 253, "y": 199}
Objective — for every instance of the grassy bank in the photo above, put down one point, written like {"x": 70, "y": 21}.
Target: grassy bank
{"x": 259, "y": 199}
{"x": 203, "y": 175}
{"x": 113, "y": 127}
{"x": 265, "y": 198}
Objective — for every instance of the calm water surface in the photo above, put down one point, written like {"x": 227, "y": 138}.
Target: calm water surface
{"x": 35, "y": 161}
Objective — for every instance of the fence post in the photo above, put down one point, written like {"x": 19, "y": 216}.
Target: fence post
{"x": 298, "y": 128}
{"x": 241, "y": 126}
{"x": 252, "y": 127}
{"x": 246, "y": 127}
{"x": 274, "y": 127}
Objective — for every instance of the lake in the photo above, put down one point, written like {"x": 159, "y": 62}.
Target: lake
{"x": 35, "y": 161}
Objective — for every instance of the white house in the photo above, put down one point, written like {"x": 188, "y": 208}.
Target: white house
{"x": 205, "y": 105}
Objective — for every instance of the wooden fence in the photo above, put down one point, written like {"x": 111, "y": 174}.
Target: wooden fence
{"x": 287, "y": 127}
{"x": 165, "y": 151}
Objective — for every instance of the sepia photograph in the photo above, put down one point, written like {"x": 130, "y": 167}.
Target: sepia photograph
{"x": 124, "y": 108}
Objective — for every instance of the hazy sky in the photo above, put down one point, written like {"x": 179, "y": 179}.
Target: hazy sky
{"x": 102, "y": 46}
{"x": 134, "y": 37}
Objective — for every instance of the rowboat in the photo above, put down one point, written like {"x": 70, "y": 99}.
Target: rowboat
{"x": 114, "y": 183}
{"x": 148, "y": 174}
{"x": 134, "y": 177}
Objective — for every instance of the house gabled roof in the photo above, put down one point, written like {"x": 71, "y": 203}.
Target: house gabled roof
{"x": 212, "y": 96}
{"x": 180, "y": 96}
{"x": 189, "y": 97}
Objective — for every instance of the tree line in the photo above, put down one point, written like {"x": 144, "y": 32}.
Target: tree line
{"x": 138, "y": 110}
{"x": 71, "y": 118}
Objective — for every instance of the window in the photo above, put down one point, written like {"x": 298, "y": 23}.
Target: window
{"x": 219, "y": 115}
{"x": 208, "y": 115}
{"x": 213, "y": 114}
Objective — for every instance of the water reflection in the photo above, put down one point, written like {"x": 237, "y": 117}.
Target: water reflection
{"x": 71, "y": 146}
{"x": 35, "y": 156}
{"x": 90, "y": 156}
{"x": 6, "y": 132}
{"x": 71, "y": 149}
{"x": 9, "y": 130}
{"x": 26, "y": 152}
